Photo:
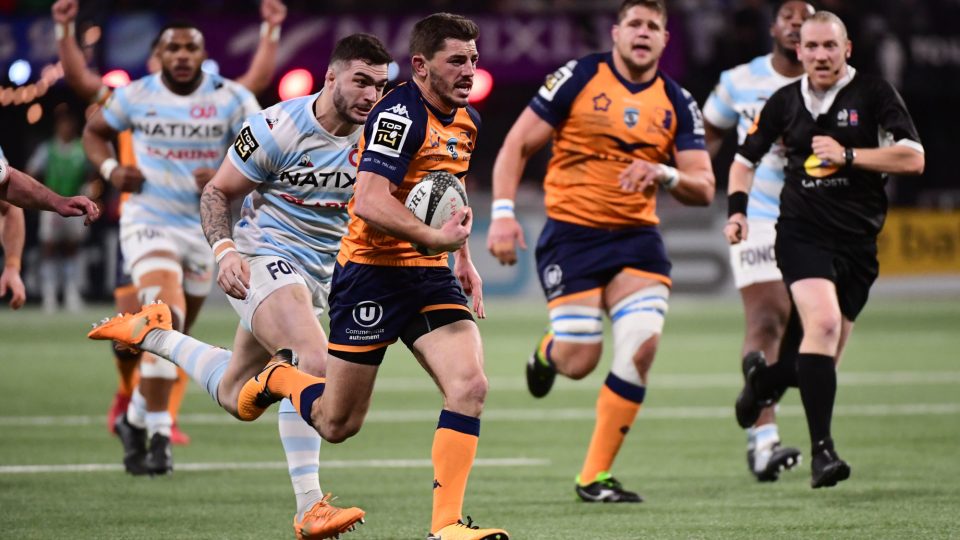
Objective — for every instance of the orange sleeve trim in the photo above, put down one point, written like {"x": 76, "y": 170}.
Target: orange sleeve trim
{"x": 649, "y": 275}
{"x": 575, "y": 296}
{"x": 437, "y": 307}
{"x": 360, "y": 348}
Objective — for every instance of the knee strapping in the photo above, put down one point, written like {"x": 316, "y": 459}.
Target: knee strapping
{"x": 154, "y": 367}
{"x": 578, "y": 324}
{"x": 159, "y": 278}
{"x": 636, "y": 319}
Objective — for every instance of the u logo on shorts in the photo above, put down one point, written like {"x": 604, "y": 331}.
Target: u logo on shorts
{"x": 367, "y": 313}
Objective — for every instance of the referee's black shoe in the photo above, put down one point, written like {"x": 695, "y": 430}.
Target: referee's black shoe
{"x": 749, "y": 405}
{"x": 827, "y": 467}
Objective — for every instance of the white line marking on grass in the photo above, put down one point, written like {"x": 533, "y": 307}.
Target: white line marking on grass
{"x": 688, "y": 381}
{"x": 527, "y": 415}
{"x": 273, "y": 465}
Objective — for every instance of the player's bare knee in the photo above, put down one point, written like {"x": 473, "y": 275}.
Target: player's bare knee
{"x": 643, "y": 359}
{"x": 339, "y": 428}
{"x": 468, "y": 395}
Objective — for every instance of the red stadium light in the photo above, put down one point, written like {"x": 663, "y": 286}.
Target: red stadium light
{"x": 116, "y": 78}
{"x": 296, "y": 83}
{"x": 482, "y": 85}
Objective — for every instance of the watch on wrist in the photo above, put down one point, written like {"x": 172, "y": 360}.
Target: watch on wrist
{"x": 849, "y": 154}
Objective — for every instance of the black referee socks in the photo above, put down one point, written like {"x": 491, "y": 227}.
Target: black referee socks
{"x": 818, "y": 389}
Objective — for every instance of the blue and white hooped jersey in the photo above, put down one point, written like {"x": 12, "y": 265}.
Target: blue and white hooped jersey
{"x": 306, "y": 177}
{"x": 174, "y": 135}
{"x": 737, "y": 100}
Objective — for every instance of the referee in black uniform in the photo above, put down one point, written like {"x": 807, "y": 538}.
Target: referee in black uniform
{"x": 843, "y": 132}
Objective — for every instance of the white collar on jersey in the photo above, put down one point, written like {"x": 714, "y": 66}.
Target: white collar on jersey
{"x": 812, "y": 102}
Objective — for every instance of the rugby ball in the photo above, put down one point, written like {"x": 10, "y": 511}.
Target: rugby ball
{"x": 435, "y": 199}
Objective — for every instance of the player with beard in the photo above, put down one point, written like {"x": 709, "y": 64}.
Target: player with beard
{"x": 182, "y": 120}
{"x": 736, "y": 101}
{"x": 88, "y": 84}
{"x": 384, "y": 289}
{"x": 842, "y": 132}
{"x": 294, "y": 165}
{"x": 621, "y": 131}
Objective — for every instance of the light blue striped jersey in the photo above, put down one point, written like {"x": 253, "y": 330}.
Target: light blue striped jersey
{"x": 305, "y": 176}
{"x": 174, "y": 135}
{"x": 736, "y": 100}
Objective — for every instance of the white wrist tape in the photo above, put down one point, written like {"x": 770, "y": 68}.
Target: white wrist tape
{"x": 502, "y": 208}
{"x": 61, "y": 31}
{"x": 222, "y": 247}
{"x": 272, "y": 31}
{"x": 107, "y": 168}
{"x": 671, "y": 176}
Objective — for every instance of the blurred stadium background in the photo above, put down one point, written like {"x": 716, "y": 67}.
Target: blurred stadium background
{"x": 898, "y": 407}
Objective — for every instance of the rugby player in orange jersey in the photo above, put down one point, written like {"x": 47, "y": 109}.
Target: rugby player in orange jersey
{"x": 622, "y": 131}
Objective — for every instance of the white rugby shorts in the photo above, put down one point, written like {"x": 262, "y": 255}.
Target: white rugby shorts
{"x": 268, "y": 273}
{"x": 754, "y": 261}
{"x": 189, "y": 247}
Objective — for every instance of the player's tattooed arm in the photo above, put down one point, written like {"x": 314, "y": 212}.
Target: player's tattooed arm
{"x": 215, "y": 214}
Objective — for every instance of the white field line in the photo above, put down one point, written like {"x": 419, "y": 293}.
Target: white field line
{"x": 273, "y": 465}
{"x": 537, "y": 414}
{"x": 683, "y": 381}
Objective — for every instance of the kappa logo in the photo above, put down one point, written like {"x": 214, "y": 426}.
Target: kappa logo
{"x": 305, "y": 161}
{"x": 400, "y": 110}
{"x": 245, "y": 144}
{"x": 367, "y": 313}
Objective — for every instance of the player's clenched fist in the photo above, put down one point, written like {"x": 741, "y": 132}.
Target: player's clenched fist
{"x": 502, "y": 239}
{"x": 736, "y": 229}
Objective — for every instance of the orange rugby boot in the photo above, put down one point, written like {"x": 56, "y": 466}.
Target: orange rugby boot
{"x": 324, "y": 520}
{"x": 468, "y": 531}
{"x": 130, "y": 329}
{"x": 256, "y": 396}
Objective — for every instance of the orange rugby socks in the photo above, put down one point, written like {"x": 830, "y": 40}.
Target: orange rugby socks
{"x": 454, "y": 448}
{"x": 617, "y": 407}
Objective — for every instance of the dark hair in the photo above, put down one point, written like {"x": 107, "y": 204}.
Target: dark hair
{"x": 654, "y": 5}
{"x": 364, "y": 47}
{"x": 173, "y": 25}
{"x": 429, "y": 34}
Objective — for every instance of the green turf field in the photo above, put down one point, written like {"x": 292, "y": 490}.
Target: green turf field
{"x": 897, "y": 423}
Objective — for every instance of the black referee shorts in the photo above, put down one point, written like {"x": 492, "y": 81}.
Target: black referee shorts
{"x": 852, "y": 267}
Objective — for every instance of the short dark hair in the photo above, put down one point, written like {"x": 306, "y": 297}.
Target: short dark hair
{"x": 429, "y": 34}
{"x": 173, "y": 25}
{"x": 361, "y": 46}
{"x": 654, "y": 5}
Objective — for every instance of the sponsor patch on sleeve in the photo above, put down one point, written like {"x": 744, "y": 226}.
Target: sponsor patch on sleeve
{"x": 389, "y": 133}
{"x": 246, "y": 143}
{"x": 556, "y": 79}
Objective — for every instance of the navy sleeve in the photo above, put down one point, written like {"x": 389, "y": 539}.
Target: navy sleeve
{"x": 690, "y": 133}
{"x": 767, "y": 126}
{"x": 554, "y": 99}
{"x": 393, "y": 134}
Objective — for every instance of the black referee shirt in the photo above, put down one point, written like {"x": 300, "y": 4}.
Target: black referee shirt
{"x": 827, "y": 201}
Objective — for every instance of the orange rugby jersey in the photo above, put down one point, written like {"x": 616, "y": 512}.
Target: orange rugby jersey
{"x": 602, "y": 123}
{"x": 404, "y": 140}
